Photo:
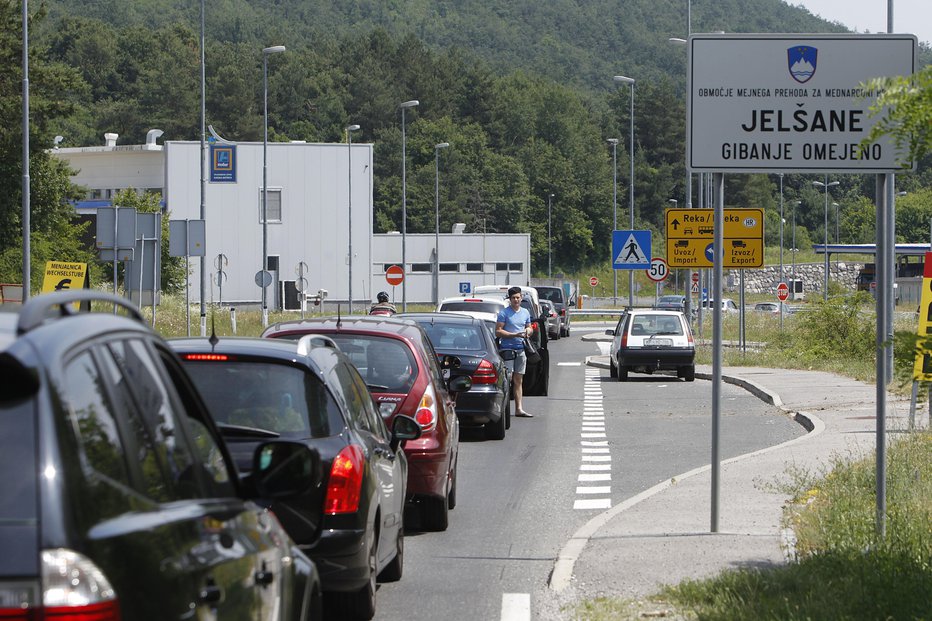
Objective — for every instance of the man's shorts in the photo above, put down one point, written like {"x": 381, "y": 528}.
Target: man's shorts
{"x": 519, "y": 364}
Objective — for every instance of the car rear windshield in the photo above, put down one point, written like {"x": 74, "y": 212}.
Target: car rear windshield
{"x": 650, "y": 325}
{"x": 18, "y": 455}
{"x": 553, "y": 294}
{"x": 385, "y": 363}
{"x": 267, "y": 395}
{"x": 472, "y": 307}
{"x": 446, "y": 337}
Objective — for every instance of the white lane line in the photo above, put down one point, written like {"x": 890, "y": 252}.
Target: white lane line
{"x": 593, "y": 435}
{"x": 590, "y": 451}
{"x": 594, "y": 467}
{"x": 516, "y": 607}
{"x": 592, "y": 503}
{"x": 594, "y": 489}
{"x": 588, "y": 477}
{"x": 597, "y": 458}
{"x": 591, "y": 443}
{"x": 569, "y": 364}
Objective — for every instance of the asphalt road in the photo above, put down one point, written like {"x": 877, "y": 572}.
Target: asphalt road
{"x": 521, "y": 498}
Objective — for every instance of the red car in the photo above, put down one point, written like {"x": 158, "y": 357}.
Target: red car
{"x": 402, "y": 371}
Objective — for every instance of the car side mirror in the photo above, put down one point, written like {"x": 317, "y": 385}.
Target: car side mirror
{"x": 508, "y": 354}
{"x": 610, "y": 332}
{"x": 404, "y": 428}
{"x": 284, "y": 469}
{"x": 460, "y": 383}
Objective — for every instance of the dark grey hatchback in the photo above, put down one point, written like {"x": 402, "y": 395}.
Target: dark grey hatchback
{"x": 352, "y": 524}
{"x": 118, "y": 500}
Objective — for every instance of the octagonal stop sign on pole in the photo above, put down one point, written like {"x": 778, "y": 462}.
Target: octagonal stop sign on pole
{"x": 394, "y": 275}
{"x": 783, "y": 292}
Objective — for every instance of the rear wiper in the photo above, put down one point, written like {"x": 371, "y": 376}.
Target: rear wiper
{"x": 241, "y": 431}
{"x": 376, "y": 387}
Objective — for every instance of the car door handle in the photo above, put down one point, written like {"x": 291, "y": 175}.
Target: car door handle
{"x": 210, "y": 593}
{"x": 264, "y": 578}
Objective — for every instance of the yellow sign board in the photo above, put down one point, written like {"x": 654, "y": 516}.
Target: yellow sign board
{"x": 60, "y": 275}
{"x": 922, "y": 369}
{"x": 690, "y": 235}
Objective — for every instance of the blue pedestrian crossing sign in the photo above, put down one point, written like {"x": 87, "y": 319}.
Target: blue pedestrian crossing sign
{"x": 631, "y": 250}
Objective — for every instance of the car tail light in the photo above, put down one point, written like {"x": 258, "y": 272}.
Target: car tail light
{"x": 206, "y": 357}
{"x": 485, "y": 374}
{"x": 387, "y": 408}
{"x": 426, "y": 415}
{"x": 562, "y": 312}
{"x": 345, "y": 484}
{"x": 534, "y": 327}
{"x": 624, "y": 338}
{"x": 74, "y": 590}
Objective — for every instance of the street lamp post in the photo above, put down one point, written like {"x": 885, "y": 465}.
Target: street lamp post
{"x": 275, "y": 49}
{"x": 349, "y": 201}
{"x": 549, "y": 240}
{"x": 826, "y": 185}
{"x": 676, "y": 273}
{"x": 437, "y": 147}
{"x": 835, "y": 205}
{"x": 782, "y": 275}
{"x": 404, "y": 205}
{"x": 793, "y": 250}
{"x": 630, "y": 82}
{"x": 614, "y": 143}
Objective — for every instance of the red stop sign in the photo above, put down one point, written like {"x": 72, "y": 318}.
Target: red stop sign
{"x": 783, "y": 291}
{"x": 593, "y": 282}
{"x": 394, "y": 275}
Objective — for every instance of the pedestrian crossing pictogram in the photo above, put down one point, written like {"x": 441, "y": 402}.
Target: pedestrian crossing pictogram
{"x": 631, "y": 250}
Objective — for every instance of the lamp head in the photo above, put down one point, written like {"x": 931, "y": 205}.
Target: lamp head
{"x": 410, "y": 104}
{"x": 613, "y": 141}
{"x": 442, "y": 145}
{"x": 352, "y": 128}
{"x": 275, "y": 49}
{"x": 623, "y": 79}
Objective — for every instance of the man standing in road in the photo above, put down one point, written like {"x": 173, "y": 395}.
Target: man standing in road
{"x": 512, "y": 327}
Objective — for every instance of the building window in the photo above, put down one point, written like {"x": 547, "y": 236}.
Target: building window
{"x": 422, "y": 267}
{"x": 501, "y": 267}
{"x": 473, "y": 267}
{"x": 449, "y": 267}
{"x": 515, "y": 267}
{"x": 274, "y": 207}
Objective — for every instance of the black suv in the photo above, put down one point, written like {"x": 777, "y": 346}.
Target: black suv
{"x": 308, "y": 391}
{"x": 118, "y": 500}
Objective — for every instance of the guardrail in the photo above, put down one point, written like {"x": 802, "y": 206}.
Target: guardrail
{"x": 609, "y": 312}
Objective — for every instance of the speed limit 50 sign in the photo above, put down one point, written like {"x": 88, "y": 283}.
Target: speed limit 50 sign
{"x": 658, "y": 269}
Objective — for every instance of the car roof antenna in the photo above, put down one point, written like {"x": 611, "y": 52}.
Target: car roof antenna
{"x": 213, "y": 340}
{"x": 339, "y": 316}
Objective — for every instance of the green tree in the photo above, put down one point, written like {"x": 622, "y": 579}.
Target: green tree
{"x": 904, "y": 108}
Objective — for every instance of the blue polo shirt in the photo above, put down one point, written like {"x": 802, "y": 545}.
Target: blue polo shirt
{"x": 513, "y": 321}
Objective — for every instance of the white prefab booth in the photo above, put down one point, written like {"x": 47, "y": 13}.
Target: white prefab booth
{"x": 466, "y": 261}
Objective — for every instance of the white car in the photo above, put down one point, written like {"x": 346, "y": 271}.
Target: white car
{"x": 648, "y": 340}
{"x": 485, "y": 308}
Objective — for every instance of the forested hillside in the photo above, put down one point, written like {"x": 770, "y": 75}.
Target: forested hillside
{"x": 521, "y": 90}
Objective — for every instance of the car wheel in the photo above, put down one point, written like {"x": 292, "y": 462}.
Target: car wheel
{"x": 689, "y": 373}
{"x": 507, "y": 414}
{"x": 395, "y": 567}
{"x": 496, "y": 430}
{"x": 612, "y": 369}
{"x": 451, "y": 498}
{"x": 622, "y": 374}
{"x": 359, "y": 604}
{"x": 556, "y": 336}
{"x": 435, "y": 514}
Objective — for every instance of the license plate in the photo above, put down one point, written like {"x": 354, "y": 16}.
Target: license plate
{"x": 653, "y": 342}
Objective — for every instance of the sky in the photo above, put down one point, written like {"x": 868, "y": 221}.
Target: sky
{"x": 909, "y": 16}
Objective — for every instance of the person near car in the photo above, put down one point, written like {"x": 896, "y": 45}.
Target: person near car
{"x": 382, "y": 305}
{"x": 513, "y": 325}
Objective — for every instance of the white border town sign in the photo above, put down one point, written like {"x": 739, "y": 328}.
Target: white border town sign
{"x": 792, "y": 103}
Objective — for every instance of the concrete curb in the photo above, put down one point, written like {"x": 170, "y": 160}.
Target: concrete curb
{"x": 562, "y": 573}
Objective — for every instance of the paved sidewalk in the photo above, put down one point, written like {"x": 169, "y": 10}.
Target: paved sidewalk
{"x": 662, "y": 536}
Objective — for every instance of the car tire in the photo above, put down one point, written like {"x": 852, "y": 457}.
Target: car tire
{"x": 622, "y": 374}
{"x": 556, "y": 336}
{"x": 359, "y": 604}
{"x": 496, "y": 430}
{"x": 612, "y": 369}
{"x": 507, "y": 414}
{"x": 395, "y": 568}
{"x": 689, "y": 373}
{"x": 435, "y": 514}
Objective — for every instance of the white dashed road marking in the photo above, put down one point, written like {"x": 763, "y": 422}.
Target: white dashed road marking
{"x": 595, "y": 461}
{"x": 516, "y": 607}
